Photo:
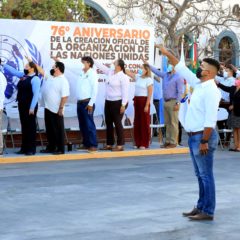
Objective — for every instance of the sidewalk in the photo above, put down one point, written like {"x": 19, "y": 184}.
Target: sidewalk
{"x": 154, "y": 149}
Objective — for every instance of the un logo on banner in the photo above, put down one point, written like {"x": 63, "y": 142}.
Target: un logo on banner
{"x": 13, "y": 54}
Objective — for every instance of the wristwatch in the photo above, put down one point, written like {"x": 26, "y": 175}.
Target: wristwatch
{"x": 177, "y": 103}
{"x": 204, "y": 141}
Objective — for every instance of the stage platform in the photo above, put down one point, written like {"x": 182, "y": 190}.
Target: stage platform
{"x": 10, "y": 158}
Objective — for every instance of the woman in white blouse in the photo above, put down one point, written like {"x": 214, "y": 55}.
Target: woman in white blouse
{"x": 143, "y": 95}
{"x": 116, "y": 100}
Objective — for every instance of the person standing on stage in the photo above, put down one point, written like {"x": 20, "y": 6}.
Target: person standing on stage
{"x": 157, "y": 95}
{"x": 55, "y": 92}
{"x": 86, "y": 92}
{"x": 200, "y": 123}
{"x": 142, "y": 99}
{"x": 27, "y": 97}
{"x": 3, "y": 85}
{"x": 117, "y": 89}
{"x": 172, "y": 93}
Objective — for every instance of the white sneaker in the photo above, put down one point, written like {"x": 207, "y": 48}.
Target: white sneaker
{"x": 142, "y": 148}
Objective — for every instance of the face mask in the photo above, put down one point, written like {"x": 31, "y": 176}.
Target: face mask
{"x": 225, "y": 74}
{"x": 26, "y": 71}
{"x": 169, "y": 68}
{"x": 112, "y": 67}
{"x": 237, "y": 83}
{"x": 140, "y": 72}
{"x": 52, "y": 71}
{"x": 199, "y": 73}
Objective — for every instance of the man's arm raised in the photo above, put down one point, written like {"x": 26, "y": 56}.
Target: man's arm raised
{"x": 180, "y": 67}
{"x": 39, "y": 68}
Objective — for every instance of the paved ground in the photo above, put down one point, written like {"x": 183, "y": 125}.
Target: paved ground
{"x": 115, "y": 199}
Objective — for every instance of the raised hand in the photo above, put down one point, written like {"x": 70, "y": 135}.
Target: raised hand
{"x": 145, "y": 61}
{"x": 28, "y": 59}
{"x": 55, "y": 59}
{"x": 163, "y": 50}
{"x": 233, "y": 67}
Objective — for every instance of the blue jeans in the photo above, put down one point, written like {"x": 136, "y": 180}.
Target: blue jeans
{"x": 203, "y": 166}
{"x": 87, "y": 125}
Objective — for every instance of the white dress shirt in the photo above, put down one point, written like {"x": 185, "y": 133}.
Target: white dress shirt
{"x": 87, "y": 86}
{"x": 117, "y": 84}
{"x": 141, "y": 86}
{"x": 204, "y": 103}
{"x": 228, "y": 82}
{"x": 53, "y": 90}
{"x": 3, "y": 85}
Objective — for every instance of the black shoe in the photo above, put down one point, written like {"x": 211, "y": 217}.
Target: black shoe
{"x": 194, "y": 212}
{"x": 46, "y": 151}
{"x": 29, "y": 153}
{"x": 201, "y": 217}
{"x": 20, "y": 152}
{"x": 57, "y": 153}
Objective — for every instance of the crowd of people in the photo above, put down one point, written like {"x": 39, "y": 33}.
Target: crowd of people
{"x": 228, "y": 80}
{"x": 200, "y": 120}
{"x": 55, "y": 91}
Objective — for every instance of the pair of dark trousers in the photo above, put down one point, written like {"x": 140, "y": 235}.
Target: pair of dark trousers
{"x": 55, "y": 131}
{"x": 28, "y": 125}
{"x": 141, "y": 122}
{"x": 113, "y": 116}
{"x": 179, "y": 133}
{"x": 87, "y": 125}
{"x": 156, "y": 117}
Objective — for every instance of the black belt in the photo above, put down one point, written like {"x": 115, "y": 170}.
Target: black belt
{"x": 83, "y": 100}
{"x": 190, "y": 134}
{"x": 170, "y": 99}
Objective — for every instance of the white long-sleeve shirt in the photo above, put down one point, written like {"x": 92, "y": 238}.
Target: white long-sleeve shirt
{"x": 203, "y": 107}
{"x": 117, "y": 84}
{"x": 87, "y": 86}
{"x": 3, "y": 85}
{"x": 228, "y": 82}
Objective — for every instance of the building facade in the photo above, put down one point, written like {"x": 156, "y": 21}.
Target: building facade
{"x": 224, "y": 46}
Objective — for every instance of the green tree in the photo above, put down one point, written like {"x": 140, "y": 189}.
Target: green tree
{"x": 50, "y": 10}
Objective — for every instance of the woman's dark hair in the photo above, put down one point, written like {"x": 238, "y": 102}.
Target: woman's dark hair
{"x": 121, "y": 64}
{"x": 61, "y": 66}
{"x": 89, "y": 60}
{"x": 230, "y": 67}
{"x": 34, "y": 66}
